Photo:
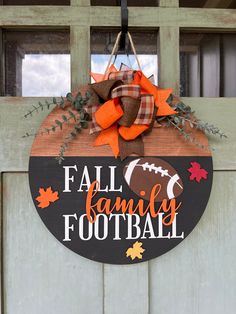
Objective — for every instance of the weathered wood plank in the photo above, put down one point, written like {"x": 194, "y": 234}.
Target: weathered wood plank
{"x": 198, "y": 276}
{"x": 80, "y": 56}
{"x": 217, "y": 3}
{"x": 210, "y": 65}
{"x": 2, "y": 72}
{"x": 40, "y": 275}
{"x": 168, "y": 58}
{"x": 229, "y": 70}
{"x": 14, "y": 151}
{"x": 126, "y": 289}
{"x": 58, "y": 16}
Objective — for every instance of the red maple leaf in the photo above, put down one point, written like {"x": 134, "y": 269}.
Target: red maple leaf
{"x": 197, "y": 172}
{"x": 46, "y": 197}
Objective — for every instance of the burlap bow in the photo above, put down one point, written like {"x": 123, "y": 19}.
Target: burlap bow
{"x": 123, "y": 108}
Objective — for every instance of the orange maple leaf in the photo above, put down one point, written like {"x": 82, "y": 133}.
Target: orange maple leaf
{"x": 46, "y": 197}
{"x": 161, "y": 98}
{"x": 135, "y": 251}
{"x": 100, "y": 77}
{"x": 109, "y": 136}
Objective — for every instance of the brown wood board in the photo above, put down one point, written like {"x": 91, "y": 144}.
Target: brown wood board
{"x": 162, "y": 141}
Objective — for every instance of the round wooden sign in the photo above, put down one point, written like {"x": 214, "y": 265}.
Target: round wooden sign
{"x": 120, "y": 212}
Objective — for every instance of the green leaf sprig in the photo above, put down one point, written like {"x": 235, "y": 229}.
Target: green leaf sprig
{"x": 80, "y": 118}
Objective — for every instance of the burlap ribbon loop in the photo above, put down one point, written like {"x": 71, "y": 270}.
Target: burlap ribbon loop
{"x": 132, "y": 147}
{"x": 130, "y": 107}
{"x": 130, "y": 101}
{"x": 103, "y": 89}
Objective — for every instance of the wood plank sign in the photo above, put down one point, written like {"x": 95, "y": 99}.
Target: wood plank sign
{"x": 115, "y": 197}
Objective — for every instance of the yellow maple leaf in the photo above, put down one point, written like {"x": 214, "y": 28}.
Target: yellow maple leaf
{"x": 135, "y": 251}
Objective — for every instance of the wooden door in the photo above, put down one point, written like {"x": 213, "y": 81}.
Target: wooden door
{"x": 39, "y": 275}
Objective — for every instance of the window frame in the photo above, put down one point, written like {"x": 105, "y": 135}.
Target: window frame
{"x": 80, "y": 17}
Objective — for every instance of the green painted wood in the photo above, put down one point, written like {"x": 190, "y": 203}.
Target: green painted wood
{"x": 15, "y": 150}
{"x": 80, "y": 57}
{"x": 80, "y": 2}
{"x": 218, "y": 111}
{"x": 168, "y": 58}
{"x": 1, "y": 273}
{"x": 126, "y": 289}
{"x": 198, "y": 276}
{"x": 40, "y": 275}
{"x": 169, "y": 3}
{"x": 58, "y": 16}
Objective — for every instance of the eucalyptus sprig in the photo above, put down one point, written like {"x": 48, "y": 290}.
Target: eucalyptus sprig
{"x": 46, "y": 104}
{"x": 81, "y": 122}
{"x": 187, "y": 136}
{"x": 80, "y": 118}
{"x": 185, "y": 115}
{"x": 58, "y": 124}
{"x": 68, "y": 139}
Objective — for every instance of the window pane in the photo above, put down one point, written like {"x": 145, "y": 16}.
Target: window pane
{"x": 37, "y": 63}
{"x": 223, "y": 4}
{"x": 131, "y": 3}
{"x": 208, "y": 65}
{"x": 145, "y": 43}
{"x": 36, "y": 2}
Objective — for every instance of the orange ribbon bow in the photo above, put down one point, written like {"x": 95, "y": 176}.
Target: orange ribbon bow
{"x": 129, "y": 110}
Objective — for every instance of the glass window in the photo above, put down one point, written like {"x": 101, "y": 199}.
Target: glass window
{"x": 131, "y": 3}
{"x": 36, "y": 2}
{"x": 145, "y": 43}
{"x": 222, "y": 4}
{"x": 37, "y": 63}
{"x": 207, "y": 65}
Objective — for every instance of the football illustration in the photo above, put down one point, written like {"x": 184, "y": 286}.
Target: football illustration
{"x": 143, "y": 173}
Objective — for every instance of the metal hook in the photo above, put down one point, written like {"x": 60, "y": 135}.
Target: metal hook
{"x": 124, "y": 24}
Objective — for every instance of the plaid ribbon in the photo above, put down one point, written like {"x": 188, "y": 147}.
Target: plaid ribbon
{"x": 126, "y": 90}
{"x": 94, "y": 127}
{"x": 146, "y": 109}
{"x": 127, "y": 93}
{"x": 125, "y": 76}
{"x": 145, "y": 112}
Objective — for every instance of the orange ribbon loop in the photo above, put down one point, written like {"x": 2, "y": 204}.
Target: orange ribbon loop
{"x": 108, "y": 113}
{"x": 133, "y": 132}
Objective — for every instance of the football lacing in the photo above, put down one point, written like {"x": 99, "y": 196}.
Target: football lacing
{"x": 152, "y": 167}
